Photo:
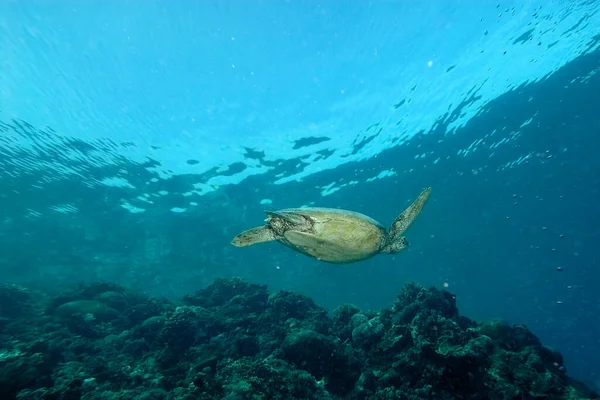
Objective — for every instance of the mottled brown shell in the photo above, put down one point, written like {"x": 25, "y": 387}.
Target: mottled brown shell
{"x": 337, "y": 236}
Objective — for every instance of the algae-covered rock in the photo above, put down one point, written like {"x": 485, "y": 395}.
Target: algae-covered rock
{"x": 234, "y": 340}
{"x": 366, "y": 332}
{"x": 90, "y": 308}
{"x": 113, "y": 299}
{"x": 153, "y": 324}
{"x": 323, "y": 358}
{"x": 344, "y": 312}
{"x": 15, "y": 301}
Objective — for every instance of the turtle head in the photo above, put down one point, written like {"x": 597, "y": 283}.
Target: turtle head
{"x": 281, "y": 221}
{"x": 395, "y": 246}
{"x": 278, "y": 225}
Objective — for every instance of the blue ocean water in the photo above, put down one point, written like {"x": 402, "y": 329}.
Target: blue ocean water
{"x": 137, "y": 140}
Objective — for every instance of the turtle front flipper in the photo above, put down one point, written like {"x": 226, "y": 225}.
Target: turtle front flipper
{"x": 404, "y": 220}
{"x": 252, "y": 236}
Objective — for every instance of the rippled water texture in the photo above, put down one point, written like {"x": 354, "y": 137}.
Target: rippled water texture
{"x": 226, "y": 91}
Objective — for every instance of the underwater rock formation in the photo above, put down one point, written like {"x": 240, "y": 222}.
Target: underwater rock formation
{"x": 235, "y": 340}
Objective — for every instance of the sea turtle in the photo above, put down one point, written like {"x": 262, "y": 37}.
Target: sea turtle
{"x": 333, "y": 235}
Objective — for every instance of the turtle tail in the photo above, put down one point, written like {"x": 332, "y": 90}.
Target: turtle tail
{"x": 404, "y": 220}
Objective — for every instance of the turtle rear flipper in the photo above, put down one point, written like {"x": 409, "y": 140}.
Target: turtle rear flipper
{"x": 404, "y": 220}
{"x": 252, "y": 236}
{"x": 395, "y": 246}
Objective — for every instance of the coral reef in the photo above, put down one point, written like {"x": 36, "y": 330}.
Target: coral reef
{"x": 235, "y": 340}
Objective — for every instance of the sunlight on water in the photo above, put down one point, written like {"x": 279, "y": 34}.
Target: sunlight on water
{"x": 190, "y": 91}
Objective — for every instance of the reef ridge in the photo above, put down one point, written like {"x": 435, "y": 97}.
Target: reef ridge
{"x": 237, "y": 340}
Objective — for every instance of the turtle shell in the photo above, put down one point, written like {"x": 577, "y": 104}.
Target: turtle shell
{"x": 336, "y": 236}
